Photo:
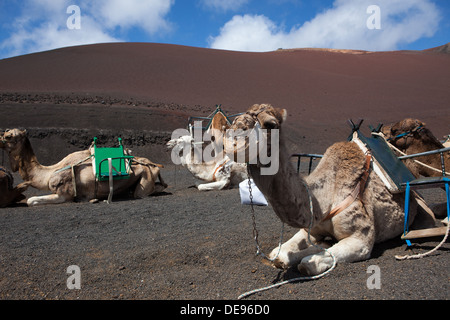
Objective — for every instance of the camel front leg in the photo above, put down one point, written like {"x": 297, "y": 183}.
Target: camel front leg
{"x": 351, "y": 249}
{"x": 49, "y": 199}
{"x": 218, "y": 185}
{"x": 294, "y": 250}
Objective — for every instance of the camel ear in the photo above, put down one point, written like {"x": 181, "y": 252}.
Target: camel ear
{"x": 283, "y": 114}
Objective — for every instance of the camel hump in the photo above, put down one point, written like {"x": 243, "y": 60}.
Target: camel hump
{"x": 347, "y": 152}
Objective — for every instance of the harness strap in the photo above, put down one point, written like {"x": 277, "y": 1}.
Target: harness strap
{"x": 404, "y": 134}
{"x": 219, "y": 167}
{"x": 357, "y": 192}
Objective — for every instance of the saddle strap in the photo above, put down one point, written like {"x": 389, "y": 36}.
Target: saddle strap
{"x": 357, "y": 192}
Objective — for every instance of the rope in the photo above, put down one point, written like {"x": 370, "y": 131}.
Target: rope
{"x": 421, "y": 255}
{"x": 244, "y": 295}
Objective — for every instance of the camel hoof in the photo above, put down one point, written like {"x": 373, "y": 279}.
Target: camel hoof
{"x": 94, "y": 201}
{"x": 277, "y": 263}
{"x": 304, "y": 271}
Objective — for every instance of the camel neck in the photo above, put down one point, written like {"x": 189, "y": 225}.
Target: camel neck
{"x": 287, "y": 192}
{"x": 25, "y": 161}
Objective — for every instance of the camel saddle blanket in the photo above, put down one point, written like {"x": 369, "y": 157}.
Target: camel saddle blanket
{"x": 386, "y": 164}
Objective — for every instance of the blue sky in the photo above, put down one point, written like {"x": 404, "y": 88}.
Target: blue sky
{"x": 28, "y": 26}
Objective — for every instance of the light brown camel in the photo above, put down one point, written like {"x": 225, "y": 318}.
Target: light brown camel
{"x": 412, "y": 136}
{"x": 374, "y": 215}
{"x": 206, "y": 161}
{"x": 60, "y": 181}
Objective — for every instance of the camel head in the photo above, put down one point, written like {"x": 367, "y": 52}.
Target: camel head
{"x": 245, "y": 140}
{"x": 180, "y": 143}
{"x": 407, "y": 132}
{"x": 182, "y": 148}
{"x": 13, "y": 138}
{"x": 13, "y": 141}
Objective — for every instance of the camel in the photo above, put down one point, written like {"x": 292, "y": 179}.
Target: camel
{"x": 218, "y": 171}
{"x": 80, "y": 183}
{"x": 372, "y": 215}
{"x": 412, "y": 136}
{"x": 8, "y": 193}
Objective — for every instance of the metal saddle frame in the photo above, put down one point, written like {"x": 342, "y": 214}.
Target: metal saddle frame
{"x": 402, "y": 178}
{"x": 111, "y": 164}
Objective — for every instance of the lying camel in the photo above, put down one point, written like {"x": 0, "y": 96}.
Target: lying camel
{"x": 66, "y": 184}
{"x": 412, "y": 136}
{"x": 372, "y": 214}
{"x": 8, "y": 193}
{"x": 218, "y": 172}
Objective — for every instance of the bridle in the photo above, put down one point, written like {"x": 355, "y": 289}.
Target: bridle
{"x": 407, "y": 134}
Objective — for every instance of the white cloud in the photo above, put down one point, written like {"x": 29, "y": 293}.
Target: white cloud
{"x": 249, "y": 33}
{"x": 43, "y": 23}
{"x": 148, "y": 15}
{"x": 343, "y": 27}
{"x": 224, "y": 5}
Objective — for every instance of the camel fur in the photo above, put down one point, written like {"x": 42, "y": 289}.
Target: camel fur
{"x": 54, "y": 178}
{"x": 412, "y": 136}
{"x": 374, "y": 217}
{"x": 219, "y": 172}
{"x": 416, "y": 138}
{"x": 8, "y": 193}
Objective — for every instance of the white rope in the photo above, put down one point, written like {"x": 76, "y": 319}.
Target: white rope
{"x": 421, "y": 255}
{"x": 298, "y": 278}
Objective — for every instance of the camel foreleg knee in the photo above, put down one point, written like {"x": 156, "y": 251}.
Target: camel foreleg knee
{"x": 218, "y": 185}
{"x": 350, "y": 249}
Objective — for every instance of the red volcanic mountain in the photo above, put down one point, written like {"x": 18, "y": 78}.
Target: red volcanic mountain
{"x": 320, "y": 88}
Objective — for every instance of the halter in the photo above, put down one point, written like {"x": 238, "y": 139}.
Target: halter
{"x": 408, "y": 133}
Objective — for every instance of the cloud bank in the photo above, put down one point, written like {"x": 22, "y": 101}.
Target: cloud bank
{"x": 344, "y": 26}
{"x": 43, "y": 23}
